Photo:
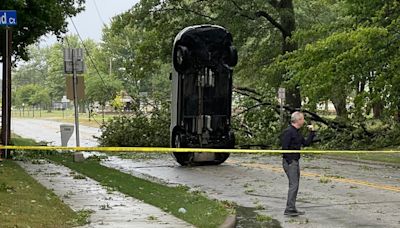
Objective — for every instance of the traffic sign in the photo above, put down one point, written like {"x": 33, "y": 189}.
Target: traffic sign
{"x": 8, "y": 18}
{"x": 80, "y": 88}
{"x": 73, "y": 60}
{"x": 281, "y": 93}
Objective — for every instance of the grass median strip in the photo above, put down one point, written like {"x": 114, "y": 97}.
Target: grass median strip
{"x": 192, "y": 207}
{"x": 26, "y": 203}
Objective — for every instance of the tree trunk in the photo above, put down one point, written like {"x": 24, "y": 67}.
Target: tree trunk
{"x": 377, "y": 109}
{"x": 82, "y": 107}
{"x": 340, "y": 107}
{"x": 293, "y": 98}
{"x": 49, "y": 107}
{"x": 288, "y": 23}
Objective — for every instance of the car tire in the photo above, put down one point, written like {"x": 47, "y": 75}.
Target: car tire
{"x": 183, "y": 158}
{"x": 231, "y": 57}
{"x": 181, "y": 58}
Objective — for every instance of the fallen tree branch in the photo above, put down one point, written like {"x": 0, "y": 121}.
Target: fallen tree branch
{"x": 313, "y": 116}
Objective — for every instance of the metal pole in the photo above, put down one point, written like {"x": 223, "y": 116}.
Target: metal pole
{"x": 75, "y": 82}
{"x": 6, "y": 106}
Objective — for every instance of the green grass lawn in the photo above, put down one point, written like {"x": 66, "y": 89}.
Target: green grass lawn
{"x": 26, "y": 203}
{"x": 68, "y": 116}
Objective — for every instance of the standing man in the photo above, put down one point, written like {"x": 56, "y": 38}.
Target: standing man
{"x": 292, "y": 139}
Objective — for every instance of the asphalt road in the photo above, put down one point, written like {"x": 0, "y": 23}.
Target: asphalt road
{"x": 49, "y": 131}
{"x": 333, "y": 193}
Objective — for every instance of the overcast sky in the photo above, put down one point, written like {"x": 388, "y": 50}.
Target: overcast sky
{"x": 90, "y": 22}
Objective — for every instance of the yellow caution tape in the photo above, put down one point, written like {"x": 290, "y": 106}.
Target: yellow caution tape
{"x": 190, "y": 150}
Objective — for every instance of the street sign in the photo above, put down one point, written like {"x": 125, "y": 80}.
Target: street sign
{"x": 8, "y": 18}
{"x": 80, "y": 88}
{"x": 281, "y": 93}
{"x": 74, "y": 64}
{"x": 73, "y": 58}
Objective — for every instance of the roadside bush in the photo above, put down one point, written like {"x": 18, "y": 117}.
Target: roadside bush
{"x": 137, "y": 130}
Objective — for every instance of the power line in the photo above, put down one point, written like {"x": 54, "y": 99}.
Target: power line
{"x": 85, "y": 102}
{"x": 89, "y": 55}
{"x": 98, "y": 12}
{"x": 94, "y": 65}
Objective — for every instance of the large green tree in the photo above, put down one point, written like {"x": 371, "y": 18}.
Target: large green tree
{"x": 354, "y": 64}
{"x": 33, "y": 95}
{"x": 37, "y": 18}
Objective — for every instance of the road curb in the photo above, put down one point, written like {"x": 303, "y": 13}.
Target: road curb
{"x": 230, "y": 222}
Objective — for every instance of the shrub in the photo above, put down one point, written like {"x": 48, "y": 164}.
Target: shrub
{"x": 137, "y": 130}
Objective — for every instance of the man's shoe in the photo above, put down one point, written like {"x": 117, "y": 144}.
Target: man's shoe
{"x": 293, "y": 212}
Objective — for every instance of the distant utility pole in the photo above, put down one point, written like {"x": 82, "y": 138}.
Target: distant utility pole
{"x": 74, "y": 64}
{"x": 8, "y": 18}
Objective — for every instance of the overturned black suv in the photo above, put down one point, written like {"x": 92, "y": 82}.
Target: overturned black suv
{"x": 203, "y": 58}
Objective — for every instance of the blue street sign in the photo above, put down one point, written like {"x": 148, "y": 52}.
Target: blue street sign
{"x": 8, "y": 18}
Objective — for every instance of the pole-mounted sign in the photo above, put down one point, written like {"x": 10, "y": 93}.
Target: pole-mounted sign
{"x": 8, "y": 18}
{"x": 74, "y": 64}
{"x": 282, "y": 97}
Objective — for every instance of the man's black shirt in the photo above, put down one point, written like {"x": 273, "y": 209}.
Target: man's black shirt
{"x": 291, "y": 139}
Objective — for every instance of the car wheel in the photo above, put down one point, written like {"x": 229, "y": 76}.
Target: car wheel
{"x": 231, "y": 58}
{"x": 183, "y": 158}
{"x": 181, "y": 58}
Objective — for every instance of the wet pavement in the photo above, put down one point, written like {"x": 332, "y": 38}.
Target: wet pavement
{"x": 329, "y": 192}
{"x": 109, "y": 208}
{"x": 49, "y": 131}
{"x": 333, "y": 193}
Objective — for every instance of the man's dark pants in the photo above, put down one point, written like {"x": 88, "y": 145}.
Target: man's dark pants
{"x": 292, "y": 171}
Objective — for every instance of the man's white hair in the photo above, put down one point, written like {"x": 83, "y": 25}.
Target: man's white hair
{"x": 296, "y": 116}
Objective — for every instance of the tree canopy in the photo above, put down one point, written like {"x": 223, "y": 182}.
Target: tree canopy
{"x": 343, "y": 52}
{"x": 37, "y": 18}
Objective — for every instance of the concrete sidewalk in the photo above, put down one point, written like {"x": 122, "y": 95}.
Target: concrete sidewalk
{"x": 110, "y": 208}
